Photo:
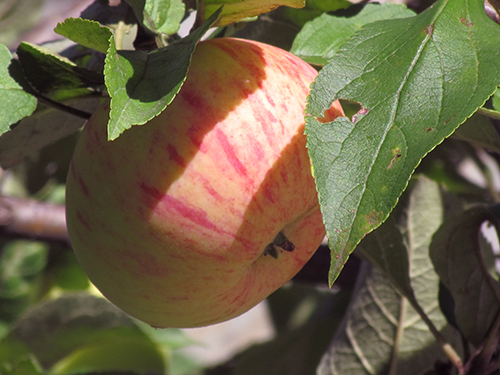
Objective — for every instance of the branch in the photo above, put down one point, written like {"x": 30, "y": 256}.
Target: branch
{"x": 31, "y": 219}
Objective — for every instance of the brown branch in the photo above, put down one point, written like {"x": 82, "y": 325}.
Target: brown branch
{"x": 32, "y": 219}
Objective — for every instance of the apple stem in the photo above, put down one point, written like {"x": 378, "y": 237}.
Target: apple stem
{"x": 283, "y": 242}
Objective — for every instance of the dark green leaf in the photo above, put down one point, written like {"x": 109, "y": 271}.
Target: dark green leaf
{"x": 457, "y": 259}
{"x": 15, "y": 103}
{"x": 417, "y": 80}
{"x": 327, "y": 6}
{"x": 151, "y": 80}
{"x": 295, "y": 353}
{"x": 321, "y": 38}
{"x": 47, "y": 71}
{"x": 312, "y": 10}
{"x": 88, "y": 33}
{"x": 479, "y": 130}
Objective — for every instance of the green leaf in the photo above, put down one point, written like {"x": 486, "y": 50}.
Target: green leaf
{"x": 458, "y": 260}
{"x": 237, "y": 10}
{"x": 15, "y": 103}
{"x": 45, "y": 126}
{"x": 142, "y": 84}
{"x": 417, "y": 80}
{"x": 384, "y": 333}
{"x": 385, "y": 248}
{"x": 496, "y": 100}
{"x": 297, "y": 352}
{"x": 68, "y": 274}
{"x": 128, "y": 355}
{"x": 25, "y": 366}
{"x": 88, "y": 33}
{"x": 479, "y": 130}
{"x": 312, "y": 10}
{"x": 70, "y": 333}
{"x": 321, "y": 38}
{"x": 159, "y": 16}
{"x": 328, "y": 5}
{"x": 20, "y": 261}
{"x": 47, "y": 71}
{"x": 402, "y": 241}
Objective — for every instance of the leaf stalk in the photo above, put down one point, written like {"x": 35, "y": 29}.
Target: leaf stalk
{"x": 445, "y": 346}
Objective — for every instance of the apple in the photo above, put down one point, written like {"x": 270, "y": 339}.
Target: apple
{"x": 200, "y": 214}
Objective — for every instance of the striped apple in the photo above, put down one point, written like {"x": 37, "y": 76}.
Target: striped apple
{"x": 200, "y": 214}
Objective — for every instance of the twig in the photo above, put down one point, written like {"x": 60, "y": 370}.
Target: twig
{"x": 445, "y": 346}
{"x": 31, "y": 219}
{"x": 62, "y": 107}
{"x": 200, "y": 14}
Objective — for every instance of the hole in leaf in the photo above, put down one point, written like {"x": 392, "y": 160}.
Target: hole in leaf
{"x": 350, "y": 108}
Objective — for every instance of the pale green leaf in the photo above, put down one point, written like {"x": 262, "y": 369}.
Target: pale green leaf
{"x": 15, "y": 103}
{"x": 496, "y": 100}
{"x": 88, "y": 33}
{"x": 159, "y": 16}
{"x": 321, "y": 38}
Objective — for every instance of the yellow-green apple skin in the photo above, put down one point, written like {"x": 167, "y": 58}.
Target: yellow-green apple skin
{"x": 171, "y": 220}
